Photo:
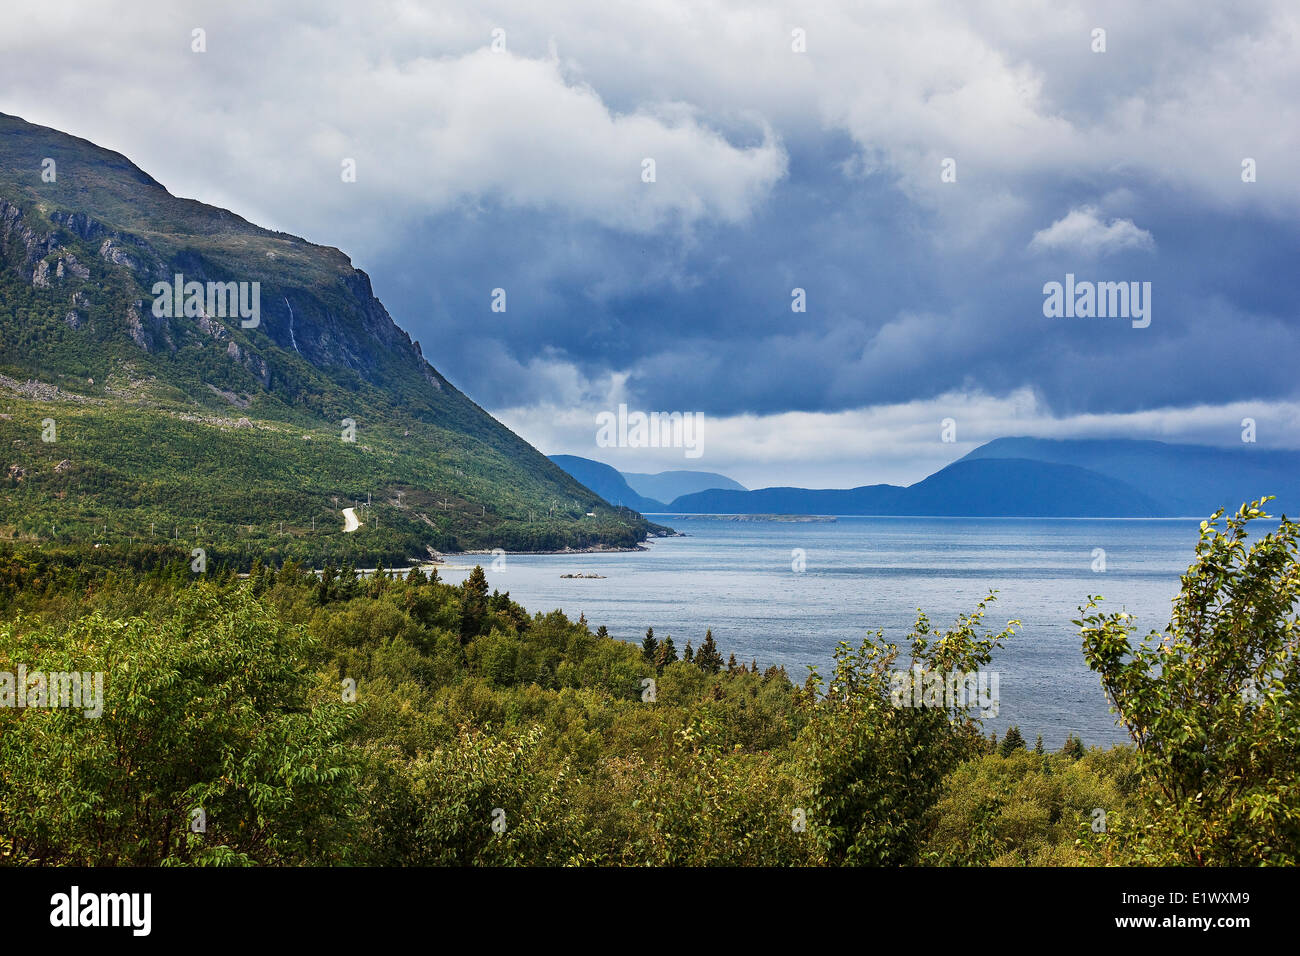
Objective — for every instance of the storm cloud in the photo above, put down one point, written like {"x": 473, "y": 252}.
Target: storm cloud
{"x": 919, "y": 170}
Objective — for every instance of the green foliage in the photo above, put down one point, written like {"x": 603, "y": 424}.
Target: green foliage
{"x": 707, "y": 658}
{"x": 649, "y": 646}
{"x": 198, "y": 432}
{"x": 1026, "y": 809}
{"x": 207, "y": 708}
{"x": 876, "y": 769}
{"x": 665, "y": 654}
{"x": 1012, "y": 742}
{"x": 1212, "y": 705}
{"x": 384, "y": 719}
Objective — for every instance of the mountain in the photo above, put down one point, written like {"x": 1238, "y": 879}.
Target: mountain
{"x": 1019, "y": 487}
{"x": 123, "y": 423}
{"x": 607, "y": 482}
{"x": 667, "y": 485}
{"x": 641, "y": 492}
{"x": 1187, "y": 480}
{"x": 1038, "y": 477}
{"x": 989, "y": 488}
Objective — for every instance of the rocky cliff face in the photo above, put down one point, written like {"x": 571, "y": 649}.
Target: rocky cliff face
{"x": 144, "y": 393}
{"x": 95, "y": 245}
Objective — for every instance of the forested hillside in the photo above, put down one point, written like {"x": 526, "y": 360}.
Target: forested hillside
{"x": 326, "y": 719}
{"x": 121, "y": 425}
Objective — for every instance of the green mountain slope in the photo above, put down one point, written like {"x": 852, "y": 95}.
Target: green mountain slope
{"x": 165, "y": 425}
{"x": 607, "y": 482}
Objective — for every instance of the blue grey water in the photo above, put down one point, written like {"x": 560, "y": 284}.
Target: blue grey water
{"x": 864, "y": 574}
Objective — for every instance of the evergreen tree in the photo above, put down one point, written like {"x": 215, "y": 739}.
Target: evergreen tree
{"x": 1038, "y": 745}
{"x": 1073, "y": 747}
{"x": 731, "y": 664}
{"x": 473, "y": 604}
{"x": 257, "y": 577}
{"x": 346, "y": 586}
{"x": 378, "y": 581}
{"x": 602, "y": 631}
{"x": 649, "y": 647}
{"x": 688, "y": 655}
{"x": 707, "y": 657}
{"x": 665, "y": 655}
{"x": 324, "y": 590}
{"x": 1012, "y": 742}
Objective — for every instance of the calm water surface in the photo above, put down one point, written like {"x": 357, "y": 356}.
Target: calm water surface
{"x": 864, "y": 574}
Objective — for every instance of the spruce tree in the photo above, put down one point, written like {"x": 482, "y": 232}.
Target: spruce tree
{"x": 649, "y": 647}
{"x": 473, "y": 604}
{"x": 666, "y": 654}
{"x": 324, "y": 590}
{"x": 257, "y": 578}
{"x": 707, "y": 657}
{"x": 1012, "y": 742}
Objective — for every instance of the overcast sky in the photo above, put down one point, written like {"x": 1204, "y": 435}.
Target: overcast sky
{"x": 775, "y": 169}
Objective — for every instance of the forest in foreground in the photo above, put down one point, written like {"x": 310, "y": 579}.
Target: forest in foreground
{"x": 298, "y": 718}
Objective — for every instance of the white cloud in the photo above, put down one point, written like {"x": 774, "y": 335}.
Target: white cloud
{"x": 561, "y": 121}
{"x": 1082, "y": 230}
{"x": 1010, "y": 90}
{"x": 896, "y": 444}
{"x": 435, "y": 120}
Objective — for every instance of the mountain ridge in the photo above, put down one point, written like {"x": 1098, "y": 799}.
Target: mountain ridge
{"x": 1026, "y": 477}
{"x": 669, "y": 485}
{"x": 339, "y": 403}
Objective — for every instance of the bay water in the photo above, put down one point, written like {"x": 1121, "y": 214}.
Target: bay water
{"x": 739, "y": 578}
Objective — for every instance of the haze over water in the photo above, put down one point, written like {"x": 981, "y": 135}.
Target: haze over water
{"x": 864, "y": 574}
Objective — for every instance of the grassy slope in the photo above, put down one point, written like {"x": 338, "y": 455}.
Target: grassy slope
{"x": 150, "y": 446}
